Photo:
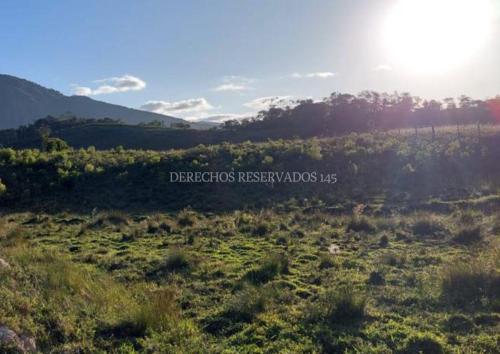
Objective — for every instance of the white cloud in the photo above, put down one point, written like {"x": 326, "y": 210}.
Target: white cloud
{"x": 190, "y": 109}
{"x": 231, "y": 87}
{"x": 82, "y": 91}
{"x": 218, "y": 118}
{"x": 315, "y": 75}
{"x": 264, "y": 103}
{"x": 234, "y": 83}
{"x": 111, "y": 85}
{"x": 383, "y": 67}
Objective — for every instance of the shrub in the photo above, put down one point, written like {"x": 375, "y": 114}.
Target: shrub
{"x": 114, "y": 217}
{"x": 468, "y": 216}
{"x": 55, "y": 144}
{"x": 427, "y": 225}
{"x": 340, "y": 306}
{"x": 157, "y": 311}
{"x": 393, "y": 259}
{"x": 246, "y": 304}
{"x": 326, "y": 261}
{"x": 271, "y": 267}
{"x": 261, "y": 229}
{"x": 384, "y": 241}
{"x": 360, "y": 224}
{"x": 376, "y": 278}
{"x": 282, "y": 240}
{"x": 468, "y": 283}
{"x": 468, "y": 235}
{"x": 243, "y": 307}
{"x": 186, "y": 218}
{"x": 423, "y": 343}
{"x": 178, "y": 261}
{"x": 459, "y": 323}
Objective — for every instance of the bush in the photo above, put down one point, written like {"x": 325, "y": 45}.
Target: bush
{"x": 393, "y": 259}
{"x": 114, "y": 217}
{"x": 261, "y": 229}
{"x": 384, "y": 241}
{"x": 243, "y": 307}
{"x": 55, "y": 144}
{"x": 459, "y": 323}
{"x": 186, "y": 218}
{"x": 427, "y": 225}
{"x": 468, "y": 283}
{"x": 178, "y": 261}
{"x": 423, "y": 343}
{"x": 271, "y": 267}
{"x": 360, "y": 224}
{"x": 340, "y": 306}
{"x": 468, "y": 235}
{"x": 376, "y": 278}
{"x": 326, "y": 261}
{"x": 157, "y": 311}
{"x": 246, "y": 304}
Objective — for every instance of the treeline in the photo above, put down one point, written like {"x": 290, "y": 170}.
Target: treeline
{"x": 336, "y": 115}
{"x": 368, "y": 111}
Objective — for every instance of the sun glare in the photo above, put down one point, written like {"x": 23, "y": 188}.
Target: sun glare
{"x": 433, "y": 36}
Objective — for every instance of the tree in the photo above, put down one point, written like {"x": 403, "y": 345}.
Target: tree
{"x": 55, "y": 144}
{"x": 430, "y": 114}
{"x": 180, "y": 125}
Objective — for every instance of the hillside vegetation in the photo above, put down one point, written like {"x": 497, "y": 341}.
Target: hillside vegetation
{"x": 336, "y": 115}
{"x": 390, "y": 166}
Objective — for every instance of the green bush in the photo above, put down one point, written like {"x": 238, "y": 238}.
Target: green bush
{"x": 270, "y": 268}
{"x": 246, "y": 304}
{"x": 459, "y": 323}
{"x": 186, "y": 218}
{"x": 178, "y": 261}
{"x": 108, "y": 218}
{"x": 242, "y": 307}
{"x": 327, "y": 261}
{"x": 427, "y": 226}
{"x": 468, "y": 235}
{"x": 423, "y": 343}
{"x": 470, "y": 282}
{"x": 261, "y": 229}
{"x": 340, "y": 306}
{"x": 55, "y": 144}
{"x": 376, "y": 278}
{"x": 360, "y": 224}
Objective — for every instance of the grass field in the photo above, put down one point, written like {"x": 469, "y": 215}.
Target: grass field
{"x": 270, "y": 281}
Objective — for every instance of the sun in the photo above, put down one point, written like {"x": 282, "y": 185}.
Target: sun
{"x": 435, "y": 36}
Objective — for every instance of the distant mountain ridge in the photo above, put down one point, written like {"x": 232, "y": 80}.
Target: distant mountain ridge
{"x": 23, "y": 101}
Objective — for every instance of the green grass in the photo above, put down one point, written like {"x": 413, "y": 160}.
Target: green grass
{"x": 231, "y": 289}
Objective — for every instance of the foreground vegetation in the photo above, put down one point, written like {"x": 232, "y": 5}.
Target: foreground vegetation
{"x": 267, "y": 281}
{"x": 100, "y": 253}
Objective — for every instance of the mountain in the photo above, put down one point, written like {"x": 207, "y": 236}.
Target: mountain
{"x": 23, "y": 101}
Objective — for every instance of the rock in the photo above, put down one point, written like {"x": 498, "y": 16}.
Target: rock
{"x": 4, "y": 264}
{"x": 334, "y": 249}
{"x": 9, "y": 338}
{"x": 23, "y": 344}
{"x": 29, "y": 343}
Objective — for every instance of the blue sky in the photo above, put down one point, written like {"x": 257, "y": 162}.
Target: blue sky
{"x": 220, "y": 57}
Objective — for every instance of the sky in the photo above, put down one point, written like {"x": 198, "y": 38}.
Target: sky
{"x": 220, "y": 59}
